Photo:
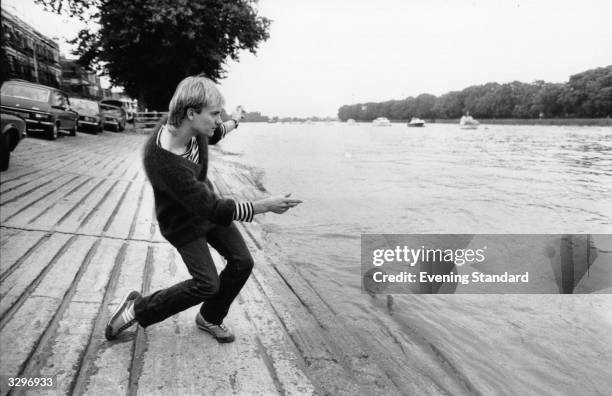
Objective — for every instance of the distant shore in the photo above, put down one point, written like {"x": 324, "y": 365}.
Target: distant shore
{"x": 500, "y": 121}
{"x": 538, "y": 121}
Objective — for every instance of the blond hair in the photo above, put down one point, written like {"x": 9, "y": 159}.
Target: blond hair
{"x": 194, "y": 92}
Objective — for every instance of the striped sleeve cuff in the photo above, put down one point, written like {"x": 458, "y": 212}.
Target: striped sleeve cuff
{"x": 243, "y": 212}
{"x": 223, "y": 130}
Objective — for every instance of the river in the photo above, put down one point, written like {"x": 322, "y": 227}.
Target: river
{"x": 498, "y": 179}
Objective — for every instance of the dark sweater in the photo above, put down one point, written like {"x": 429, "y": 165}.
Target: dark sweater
{"x": 185, "y": 203}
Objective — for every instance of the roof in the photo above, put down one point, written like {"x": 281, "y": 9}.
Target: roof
{"x": 25, "y": 82}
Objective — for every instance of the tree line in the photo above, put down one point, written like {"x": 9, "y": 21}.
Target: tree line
{"x": 585, "y": 95}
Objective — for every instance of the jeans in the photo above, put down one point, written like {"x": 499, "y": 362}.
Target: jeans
{"x": 216, "y": 291}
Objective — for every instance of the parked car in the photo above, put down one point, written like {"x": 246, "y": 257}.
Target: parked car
{"x": 90, "y": 115}
{"x": 13, "y": 130}
{"x": 128, "y": 114}
{"x": 114, "y": 117}
{"x": 44, "y": 108}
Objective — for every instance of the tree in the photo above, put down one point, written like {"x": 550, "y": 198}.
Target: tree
{"x": 148, "y": 46}
{"x": 547, "y": 100}
{"x": 424, "y": 106}
{"x": 587, "y": 94}
{"x": 449, "y": 105}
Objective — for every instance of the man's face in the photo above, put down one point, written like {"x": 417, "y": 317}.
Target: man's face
{"x": 207, "y": 120}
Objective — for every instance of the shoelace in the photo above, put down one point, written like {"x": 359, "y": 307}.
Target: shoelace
{"x": 212, "y": 326}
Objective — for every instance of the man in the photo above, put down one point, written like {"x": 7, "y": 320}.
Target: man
{"x": 191, "y": 215}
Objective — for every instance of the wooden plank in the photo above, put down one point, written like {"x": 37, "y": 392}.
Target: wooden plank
{"x": 157, "y": 236}
{"x": 122, "y": 221}
{"x": 102, "y": 212}
{"x": 76, "y": 324}
{"x": 109, "y": 371}
{"x": 22, "y": 277}
{"x": 73, "y": 221}
{"x": 29, "y": 187}
{"x": 14, "y": 176}
{"x": 25, "y": 217}
{"x": 63, "y": 206}
{"x": 32, "y": 175}
{"x": 145, "y": 216}
{"x": 16, "y": 246}
{"x": 33, "y": 317}
{"x": 100, "y": 168}
{"x": 6, "y": 234}
{"x": 12, "y": 208}
{"x": 120, "y": 168}
{"x": 134, "y": 167}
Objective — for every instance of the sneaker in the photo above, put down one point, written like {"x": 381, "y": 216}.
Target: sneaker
{"x": 220, "y": 332}
{"x": 119, "y": 320}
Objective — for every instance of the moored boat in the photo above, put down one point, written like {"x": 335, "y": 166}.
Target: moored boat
{"x": 467, "y": 122}
{"x": 416, "y": 122}
{"x": 381, "y": 121}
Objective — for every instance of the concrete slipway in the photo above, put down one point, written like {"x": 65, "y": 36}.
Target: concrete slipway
{"x": 78, "y": 231}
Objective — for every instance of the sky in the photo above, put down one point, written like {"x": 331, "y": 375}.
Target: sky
{"x": 323, "y": 54}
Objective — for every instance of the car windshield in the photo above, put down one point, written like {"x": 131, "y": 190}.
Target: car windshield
{"x": 26, "y": 92}
{"x": 113, "y": 102}
{"x": 110, "y": 109}
{"x": 88, "y": 106}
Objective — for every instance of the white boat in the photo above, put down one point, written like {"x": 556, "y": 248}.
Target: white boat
{"x": 416, "y": 122}
{"x": 381, "y": 121}
{"x": 350, "y": 121}
{"x": 467, "y": 122}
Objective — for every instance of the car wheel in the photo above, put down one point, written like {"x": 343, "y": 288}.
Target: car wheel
{"x": 120, "y": 127}
{"x": 73, "y": 131}
{"x": 53, "y": 132}
{"x": 5, "y": 152}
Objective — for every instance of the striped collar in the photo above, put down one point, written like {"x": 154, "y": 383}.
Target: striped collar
{"x": 192, "y": 153}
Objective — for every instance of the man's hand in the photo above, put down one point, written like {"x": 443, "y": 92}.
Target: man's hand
{"x": 278, "y": 204}
{"x": 238, "y": 114}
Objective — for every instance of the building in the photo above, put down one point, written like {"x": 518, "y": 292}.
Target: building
{"x": 78, "y": 81}
{"x": 30, "y": 55}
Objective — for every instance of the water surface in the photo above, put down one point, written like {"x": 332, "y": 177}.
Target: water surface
{"x": 440, "y": 179}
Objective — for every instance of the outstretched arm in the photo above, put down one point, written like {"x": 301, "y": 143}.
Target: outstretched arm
{"x": 278, "y": 204}
{"x": 227, "y": 126}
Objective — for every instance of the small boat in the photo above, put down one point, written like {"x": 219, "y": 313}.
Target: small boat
{"x": 416, "y": 122}
{"x": 350, "y": 121}
{"x": 467, "y": 122}
{"x": 381, "y": 121}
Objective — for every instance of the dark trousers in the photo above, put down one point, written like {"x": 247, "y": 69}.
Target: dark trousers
{"x": 216, "y": 291}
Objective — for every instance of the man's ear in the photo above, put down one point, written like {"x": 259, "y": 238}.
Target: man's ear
{"x": 190, "y": 114}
